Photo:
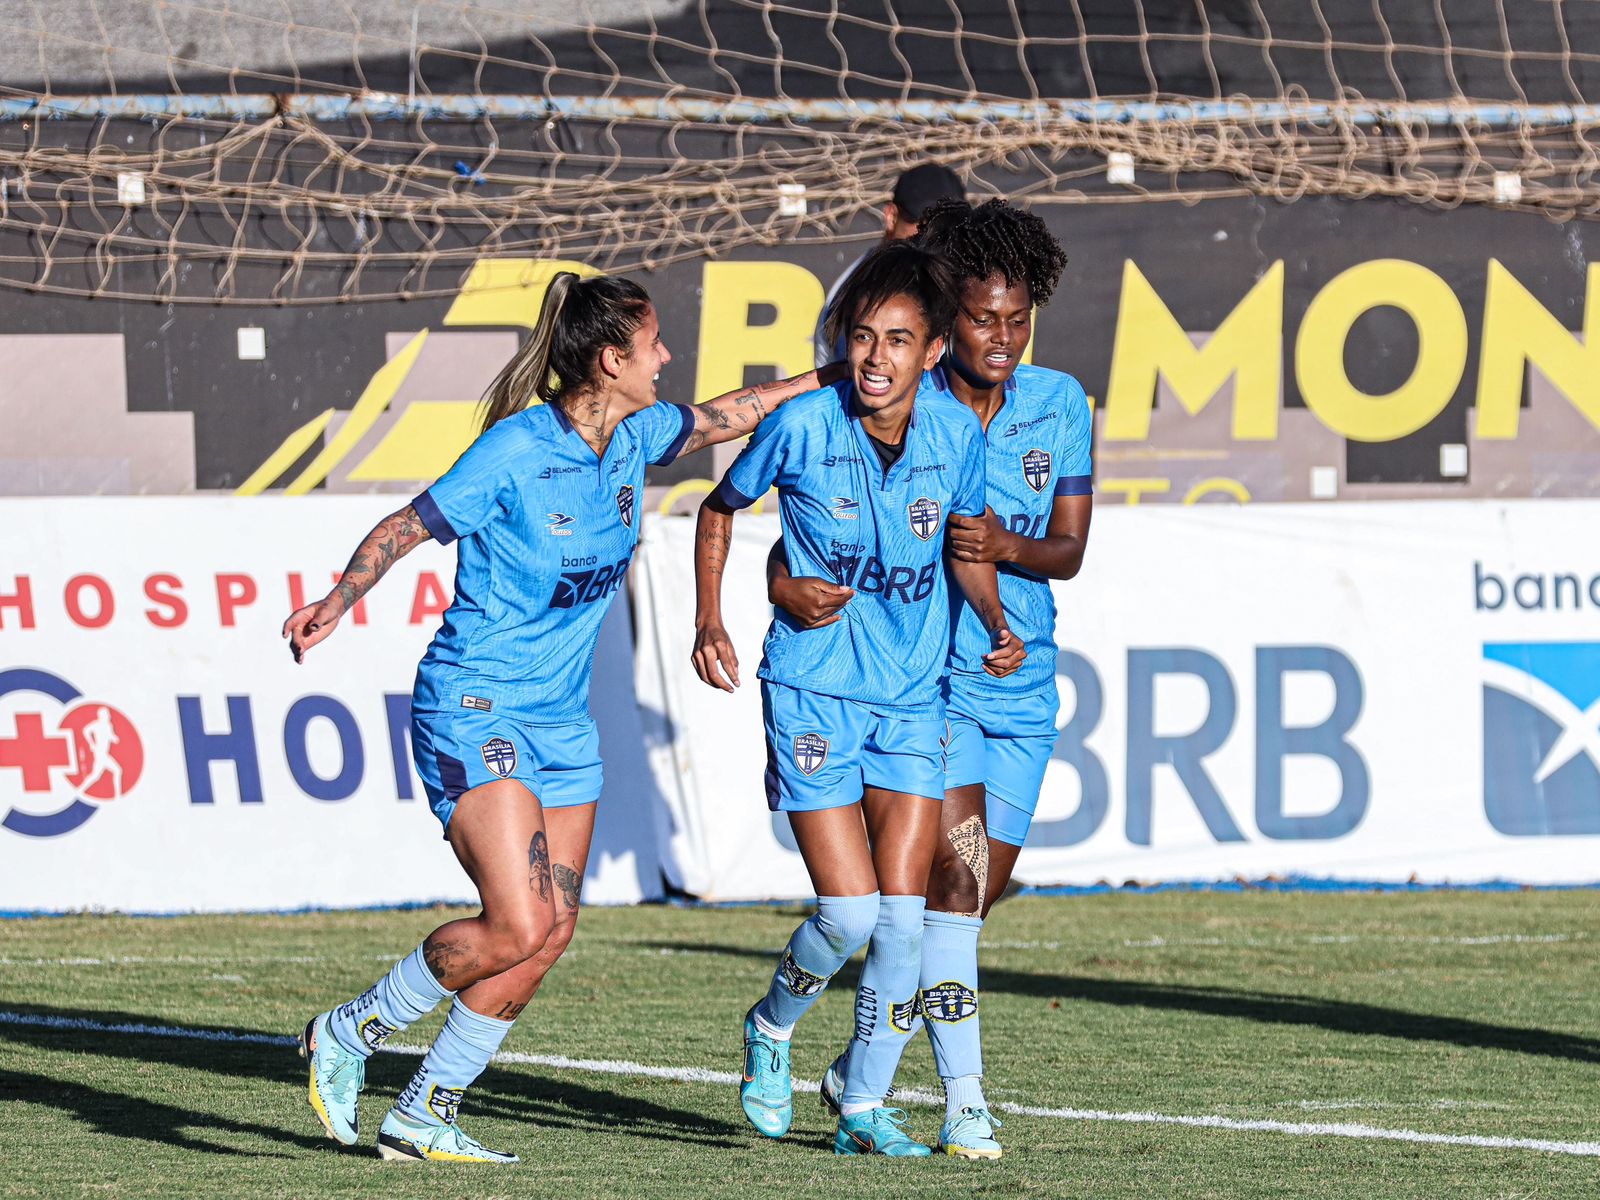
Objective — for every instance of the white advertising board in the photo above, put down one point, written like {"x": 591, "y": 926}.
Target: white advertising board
{"x": 1379, "y": 691}
{"x": 160, "y": 751}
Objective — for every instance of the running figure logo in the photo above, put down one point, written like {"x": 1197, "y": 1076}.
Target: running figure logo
{"x": 1036, "y": 469}
{"x": 810, "y": 752}
{"x": 924, "y": 515}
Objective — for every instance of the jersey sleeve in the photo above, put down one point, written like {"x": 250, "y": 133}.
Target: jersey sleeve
{"x": 972, "y": 485}
{"x": 469, "y": 495}
{"x": 764, "y": 462}
{"x": 662, "y": 430}
{"x": 1076, "y": 476}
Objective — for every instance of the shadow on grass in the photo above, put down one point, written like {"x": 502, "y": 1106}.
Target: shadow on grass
{"x": 1272, "y": 1008}
{"x": 517, "y": 1096}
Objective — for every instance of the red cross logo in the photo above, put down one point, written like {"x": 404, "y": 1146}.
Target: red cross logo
{"x": 35, "y": 752}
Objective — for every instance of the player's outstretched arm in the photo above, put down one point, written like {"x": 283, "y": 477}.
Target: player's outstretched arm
{"x": 1056, "y": 555}
{"x": 736, "y": 414}
{"x": 809, "y": 599}
{"x": 713, "y": 657}
{"x": 981, "y": 586}
{"x": 391, "y": 539}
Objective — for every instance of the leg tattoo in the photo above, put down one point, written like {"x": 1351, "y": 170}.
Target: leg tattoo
{"x": 972, "y": 845}
{"x": 539, "y": 865}
{"x": 569, "y": 882}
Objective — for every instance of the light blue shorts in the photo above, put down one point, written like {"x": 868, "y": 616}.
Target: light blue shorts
{"x": 822, "y": 751}
{"x": 457, "y": 751}
{"x": 1004, "y": 745}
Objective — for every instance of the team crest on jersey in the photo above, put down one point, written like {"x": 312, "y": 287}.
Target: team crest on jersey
{"x": 1036, "y": 469}
{"x": 810, "y": 752}
{"x": 950, "y": 1001}
{"x": 625, "y": 504}
{"x": 500, "y": 756}
{"x": 904, "y": 1016}
{"x": 561, "y": 524}
{"x": 798, "y": 980}
{"x": 924, "y": 516}
{"x": 846, "y": 509}
{"x": 444, "y": 1103}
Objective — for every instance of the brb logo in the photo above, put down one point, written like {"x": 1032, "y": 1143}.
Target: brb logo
{"x": 62, "y": 752}
{"x": 1541, "y": 737}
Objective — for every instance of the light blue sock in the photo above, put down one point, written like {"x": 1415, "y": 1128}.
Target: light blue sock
{"x": 886, "y": 1003}
{"x": 823, "y": 943}
{"x": 408, "y": 992}
{"x": 950, "y": 1005}
{"x": 457, "y": 1057}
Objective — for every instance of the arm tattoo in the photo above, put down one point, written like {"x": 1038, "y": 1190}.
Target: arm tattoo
{"x": 733, "y": 416}
{"x": 569, "y": 882}
{"x": 716, "y": 543}
{"x": 393, "y": 538}
{"x": 539, "y": 865}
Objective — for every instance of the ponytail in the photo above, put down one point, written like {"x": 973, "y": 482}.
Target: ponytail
{"x": 579, "y": 318}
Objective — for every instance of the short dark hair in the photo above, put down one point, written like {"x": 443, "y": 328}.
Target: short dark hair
{"x": 995, "y": 238}
{"x": 897, "y": 269}
{"x": 923, "y": 185}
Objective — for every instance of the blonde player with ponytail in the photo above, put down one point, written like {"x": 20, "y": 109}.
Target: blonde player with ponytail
{"x": 545, "y": 505}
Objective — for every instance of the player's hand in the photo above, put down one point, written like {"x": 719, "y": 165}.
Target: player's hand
{"x": 1007, "y": 654}
{"x": 812, "y": 601}
{"x": 713, "y": 657}
{"x": 311, "y": 624}
{"x": 834, "y": 372}
{"x": 980, "y": 539}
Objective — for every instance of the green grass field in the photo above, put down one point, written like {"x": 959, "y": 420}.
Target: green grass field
{"x": 1462, "y": 1014}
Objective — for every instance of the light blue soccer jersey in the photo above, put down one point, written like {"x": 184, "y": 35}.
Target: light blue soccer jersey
{"x": 882, "y": 533}
{"x": 1037, "y": 449}
{"x": 546, "y": 531}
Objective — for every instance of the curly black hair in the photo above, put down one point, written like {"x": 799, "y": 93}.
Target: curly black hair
{"x": 994, "y": 237}
{"x": 898, "y": 269}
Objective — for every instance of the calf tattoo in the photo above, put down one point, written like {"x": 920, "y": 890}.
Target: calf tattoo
{"x": 450, "y": 960}
{"x": 539, "y": 865}
{"x": 569, "y": 882}
{"x": 972, "y": 845}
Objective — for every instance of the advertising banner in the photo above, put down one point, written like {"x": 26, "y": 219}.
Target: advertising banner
{"x": 1387, "y": 692}
{"x": 160, "y": 750}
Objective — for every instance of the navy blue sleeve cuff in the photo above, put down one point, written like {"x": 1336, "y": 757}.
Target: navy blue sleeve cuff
{"x": 732, "y": 496}
{"x": 672, "y": 452}
{"x": 1075, "y": 485}
{"x": 438, "y": 524}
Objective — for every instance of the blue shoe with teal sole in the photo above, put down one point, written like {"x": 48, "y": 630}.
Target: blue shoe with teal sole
{"x": 766, "y": 1093}
{"x": 878, "y": 1131}
{"x": 335, "y": 1082}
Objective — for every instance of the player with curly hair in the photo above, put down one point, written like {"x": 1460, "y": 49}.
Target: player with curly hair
{"x": 1034, "y": 529}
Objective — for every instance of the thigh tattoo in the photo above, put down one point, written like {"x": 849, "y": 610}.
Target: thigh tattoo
{"x": 539, "y": 865}
{"x": 569, "y": 882}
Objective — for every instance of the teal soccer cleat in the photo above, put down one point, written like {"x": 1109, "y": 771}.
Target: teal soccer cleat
{"x": 335, "y": 1083}
{"x": 878, "y": 1131}
{"x": 765, "y": 1093}
{"x": 404, "y": 1140}
{"x": 970, "y": 1134}
{"x": 832, "y": 1090}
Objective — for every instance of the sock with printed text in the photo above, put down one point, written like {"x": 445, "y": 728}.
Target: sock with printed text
{"x": 950, "y": 1005}
{"x": 886, "y": 1004}
{"x": 457, "y": 1057}
{"x": 408, "y": 992}
{"x": 823, "y": 943}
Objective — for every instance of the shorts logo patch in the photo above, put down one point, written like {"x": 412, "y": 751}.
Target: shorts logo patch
{"x": 445, "y": 1103}
{"x": 798, "y": 980}
{"x": 810, "y": 752}
{"x": 924, "y": 516}
{"x": 1036, "y": 469}
{"x": 480, "y": 703}
{"x": 500, "y": 756}
{"x": 904, "y": 1016}
{"x": 949, "y": 1002}
{"x": 625, "y": 504}
{"x": 375, "y": 1031}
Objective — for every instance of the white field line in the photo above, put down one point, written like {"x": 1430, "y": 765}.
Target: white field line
{"x": 1156, "y": 942}
{"x": 597, "y": 1066}
{"x": 191, "y": 960}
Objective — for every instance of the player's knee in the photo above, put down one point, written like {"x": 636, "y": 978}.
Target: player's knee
{"x": 520, "y": 938}
{"x": 953, "y": 883}
{"x": 848, "y": 926}
{"x": 560, "y": 938}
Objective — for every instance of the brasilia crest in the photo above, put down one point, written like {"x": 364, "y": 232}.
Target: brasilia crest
{"x": 625, "y": 504}
{"x": 500, "y": 756}
{"x": 924, "y": 515}
{"x": 810, "y": 752}
{"x": 1036, "y": 469}
{"x": 950, "y": 1001}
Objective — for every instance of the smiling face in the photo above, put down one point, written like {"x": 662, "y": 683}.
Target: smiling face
{"x": 634, "y": 376}
{"x": 889, "y": 349}
{"x": 992, "y": 328}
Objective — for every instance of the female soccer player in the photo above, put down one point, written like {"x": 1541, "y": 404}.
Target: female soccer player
{"x": 869, "y": 474}
{"x": 545, "y": 506}
{"x": 1034, "y": 527}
